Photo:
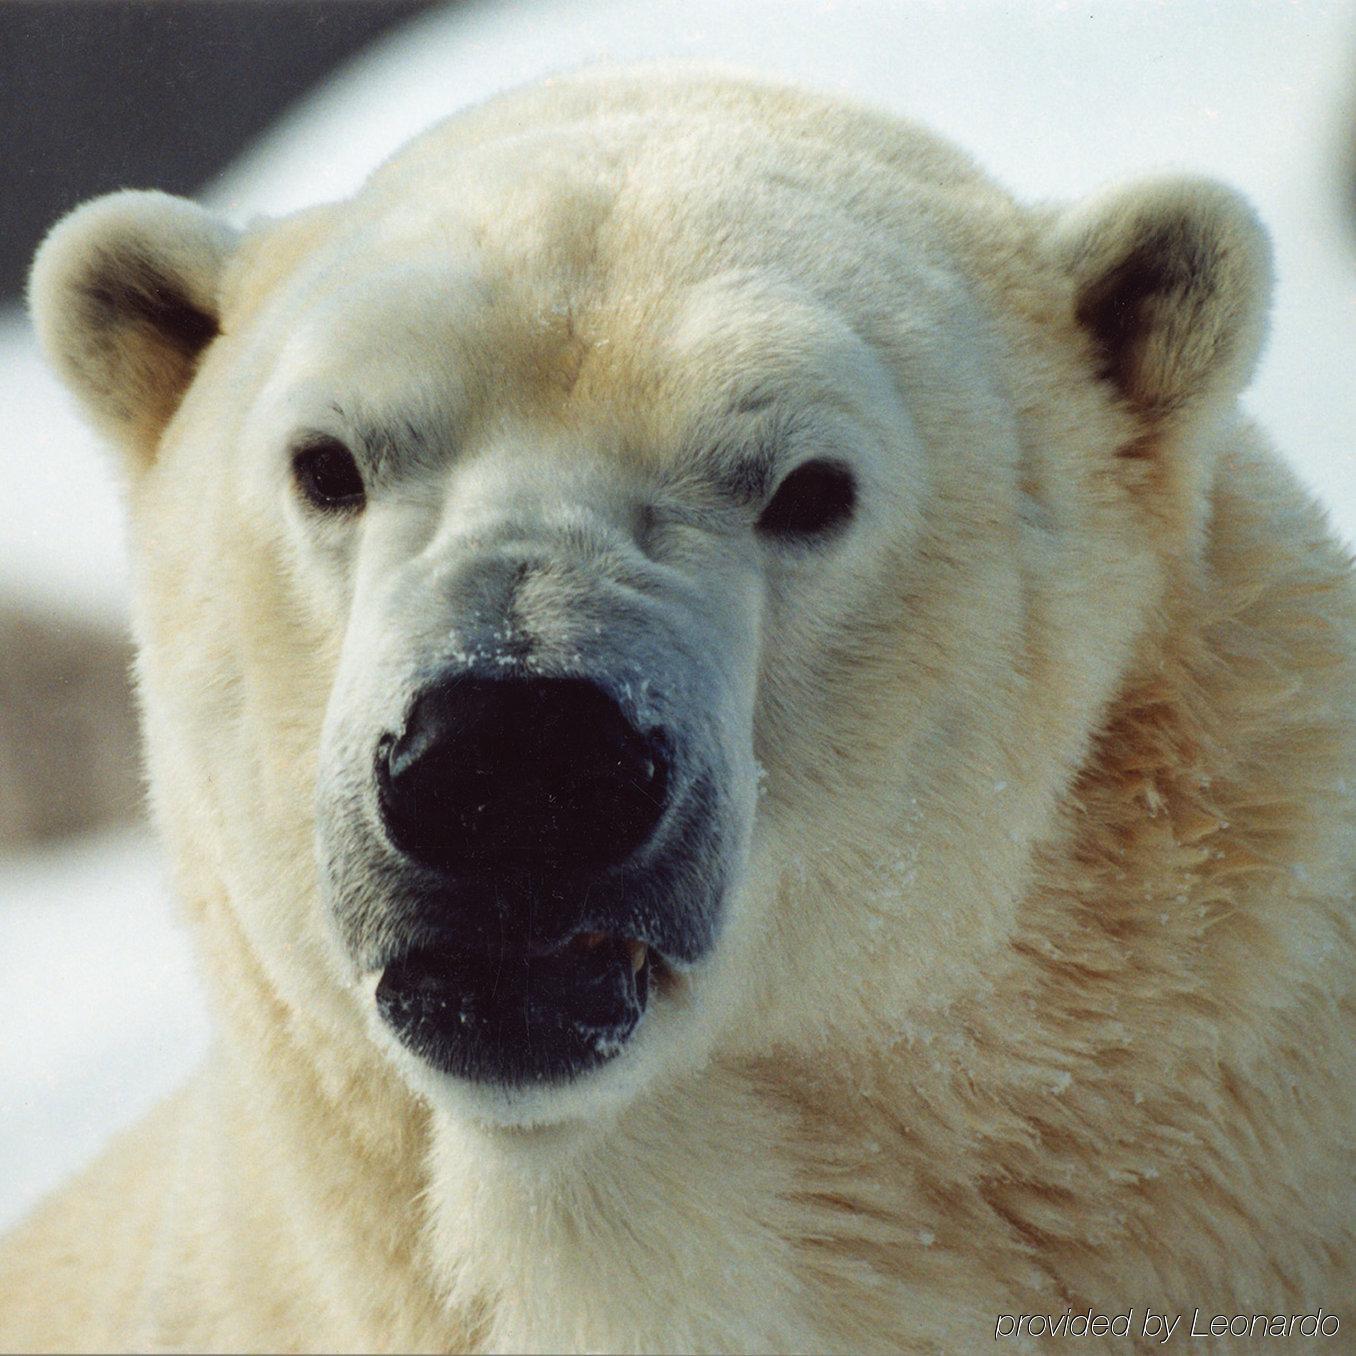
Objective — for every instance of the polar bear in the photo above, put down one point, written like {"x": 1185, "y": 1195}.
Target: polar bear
{"x": 759, "y": 756}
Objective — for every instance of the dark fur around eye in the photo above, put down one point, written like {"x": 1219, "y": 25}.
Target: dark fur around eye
{"x": 815, "y": 499}
{"x": 327, "y": 475}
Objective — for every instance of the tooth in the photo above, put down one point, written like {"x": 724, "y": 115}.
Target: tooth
{"x": 638, "y": 952}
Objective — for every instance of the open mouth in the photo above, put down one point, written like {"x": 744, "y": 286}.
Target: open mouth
{"x": 511, "y": 1017}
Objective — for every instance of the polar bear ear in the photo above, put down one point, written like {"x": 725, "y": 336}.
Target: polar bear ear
{"x": 124, "y": 294}
{"x": 1172, "y": 280}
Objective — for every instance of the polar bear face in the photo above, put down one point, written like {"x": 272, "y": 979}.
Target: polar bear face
{"x": 545, "y": 720}
{"x": 565, "y": 566}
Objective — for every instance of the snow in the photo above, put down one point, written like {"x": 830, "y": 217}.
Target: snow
{"x": 98, "y": 1006}
{"x": 61, "y": 536}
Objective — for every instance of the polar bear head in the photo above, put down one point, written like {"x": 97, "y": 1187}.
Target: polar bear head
{"x": 633, "y": 586}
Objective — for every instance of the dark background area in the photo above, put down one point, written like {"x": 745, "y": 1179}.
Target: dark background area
{"x": 97, "y": 95}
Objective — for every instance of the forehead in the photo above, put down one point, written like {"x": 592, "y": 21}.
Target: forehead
{"x": 631, "y": 278}
{"x": 462, "y": 342}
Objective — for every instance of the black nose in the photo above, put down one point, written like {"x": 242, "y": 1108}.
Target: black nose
{"x": 520, "y": 773}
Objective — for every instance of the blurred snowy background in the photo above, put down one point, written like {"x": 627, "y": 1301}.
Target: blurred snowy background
{"x": 100, "y": 1011}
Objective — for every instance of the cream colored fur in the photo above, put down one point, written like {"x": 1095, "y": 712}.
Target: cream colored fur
{"x": 1037, "y": 990}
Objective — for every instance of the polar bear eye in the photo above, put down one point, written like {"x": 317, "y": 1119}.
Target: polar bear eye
{"x": 327, "y": 475}
{"x": 815, "y": 498}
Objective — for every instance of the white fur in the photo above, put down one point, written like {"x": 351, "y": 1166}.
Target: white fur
{"x": 1034, "y": 987}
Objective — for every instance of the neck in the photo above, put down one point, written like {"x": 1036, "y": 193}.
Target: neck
{"x": 761, "y": 1205}
{"x": 326, "y": 1149}
{"x": 601, "y": 1236}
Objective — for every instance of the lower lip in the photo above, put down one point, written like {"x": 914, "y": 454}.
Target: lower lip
{"x": 511, "y": 1019}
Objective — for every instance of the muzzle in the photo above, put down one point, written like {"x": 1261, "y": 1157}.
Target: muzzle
{"x": 551, "y": 839}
